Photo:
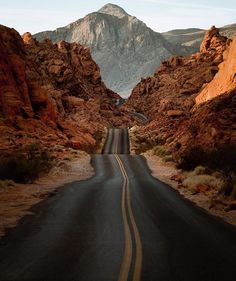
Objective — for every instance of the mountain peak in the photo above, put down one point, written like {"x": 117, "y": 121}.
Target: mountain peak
{"x": 113, "y": 10}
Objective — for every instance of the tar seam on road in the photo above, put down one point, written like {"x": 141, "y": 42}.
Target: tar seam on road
{"x": 126, "y": 263}
{"x": 117, "y": 141}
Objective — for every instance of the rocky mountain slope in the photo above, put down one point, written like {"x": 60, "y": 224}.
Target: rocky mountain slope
{"x": 51, "y": 94}
{"x": 191, "y": 38}
{"x": 189, "y": 131}
{"x": 123, "y": 46}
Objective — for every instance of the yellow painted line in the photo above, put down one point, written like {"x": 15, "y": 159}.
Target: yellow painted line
{"x": 126, "y": 262}
{"x": 138, "y": 244}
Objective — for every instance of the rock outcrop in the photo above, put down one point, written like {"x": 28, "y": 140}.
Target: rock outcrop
{"x": 225, "y": 79}
{"x": 14, "y": 98}
{"x": 51, "y": 94}
{"x": 208, "y": 134}
{"x": 212, "y": 40}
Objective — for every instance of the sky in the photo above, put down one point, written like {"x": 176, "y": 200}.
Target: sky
{"x": 160, "y": 15}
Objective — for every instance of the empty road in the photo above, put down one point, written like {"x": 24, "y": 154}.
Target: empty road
{"x": 121, "y": 225}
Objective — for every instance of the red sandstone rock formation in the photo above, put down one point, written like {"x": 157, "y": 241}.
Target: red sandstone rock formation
{"x": 225, "y": 79}
{"x": 14, "y": 98}
{"x": 210, "y": 125}
{"x": 51, "y": 93}
{"x": 212, "y": 40}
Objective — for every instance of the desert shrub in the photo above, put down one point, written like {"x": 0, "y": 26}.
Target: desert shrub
{"x": 233, "y": 193}
{"x": 6, "y": 183}
{"x": 161, "y": 151}
{"x": 143, "y": 147}
{"x": 168, "y": 158}
{"x": 26, "y": 165}
{"x": 194, "y": 180}
{"x": 233, "y": 190}
{"x": 145, "y": 142}
{"x": 98, "y": 136}
{"x": 229, "y": 189}
{"x": 217, "y": 174}
{"x": 67, "y": 158}
{"x": 223, "y": 158}
{"x": 200, "y": 170}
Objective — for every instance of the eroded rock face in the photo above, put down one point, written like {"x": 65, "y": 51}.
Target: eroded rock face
{"x": 212, "y": 126}
{"x": 14, "y": 98}
{"x": 51, "y": 94}
{"x": 225, "y": 79}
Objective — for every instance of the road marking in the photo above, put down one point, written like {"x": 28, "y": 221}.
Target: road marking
{"x": 126, "y": 263}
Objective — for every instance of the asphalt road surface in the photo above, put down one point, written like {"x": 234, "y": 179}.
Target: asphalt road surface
{"x": 122, "y": 224}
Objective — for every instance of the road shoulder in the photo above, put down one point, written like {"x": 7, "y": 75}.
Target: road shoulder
{"x": 166, "y": 172}
{"x": 16, "y": 200}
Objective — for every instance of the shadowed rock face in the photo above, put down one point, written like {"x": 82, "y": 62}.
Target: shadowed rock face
{"x": 14, "y": 98}
{"x": 168, "y": 100}
{"x": 123, "y": 46}
{"x": 51, "y": 94}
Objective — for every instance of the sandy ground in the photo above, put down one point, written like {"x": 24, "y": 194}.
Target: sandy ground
{"x": 16, "y": 200}
{"x": 164, "y": 171}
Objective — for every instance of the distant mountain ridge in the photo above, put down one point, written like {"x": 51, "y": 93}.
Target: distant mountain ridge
{"x": 123, "y": 46}
{"x": 192, "y": 37}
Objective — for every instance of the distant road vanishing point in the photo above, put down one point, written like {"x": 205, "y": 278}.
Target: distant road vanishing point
{"x": 120, "y": 225}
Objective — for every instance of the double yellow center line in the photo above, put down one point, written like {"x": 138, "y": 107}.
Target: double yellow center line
{"x": 127, "y": 214}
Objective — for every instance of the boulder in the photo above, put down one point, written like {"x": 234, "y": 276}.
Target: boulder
{"x": 175, "y": 113}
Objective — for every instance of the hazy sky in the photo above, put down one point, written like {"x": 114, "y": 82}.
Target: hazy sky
{"x": 161, "y": 15}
